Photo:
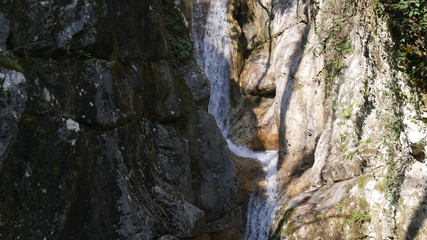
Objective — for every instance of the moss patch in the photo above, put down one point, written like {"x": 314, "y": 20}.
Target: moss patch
{"x": 6, "y": 62}
{"x": 349, "y": 218}
{"x": 361, "y": 181}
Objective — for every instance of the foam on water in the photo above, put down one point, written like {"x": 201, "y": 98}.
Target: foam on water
{"x": 263, "y": 204}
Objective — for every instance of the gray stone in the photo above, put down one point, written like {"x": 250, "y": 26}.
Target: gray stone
{"x": 173, "y": 161}
{"x": 258, "y": 75}
{"x": 102, "y": 149}
{"x": 416, "y": 136}
{"x": 196, "y": 82}
{"x": 4, "y": 31}
{"x": 13, "y": 96}
{"x": 167, "y": 237}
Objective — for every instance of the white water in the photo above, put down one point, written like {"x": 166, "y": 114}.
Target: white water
{"x": 212, "y": 45}
{"x": 263, "y": 204}
{"x": 213, "y": 54}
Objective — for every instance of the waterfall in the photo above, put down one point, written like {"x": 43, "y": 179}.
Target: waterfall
{"x": 263, "y": 204}
{"x": 212, "y": 41}
{"x": 213, "y": 54}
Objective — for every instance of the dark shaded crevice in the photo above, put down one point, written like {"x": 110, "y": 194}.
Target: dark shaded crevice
{"x": 243, "y": 15}
{"x": 368, "y": 100}
{"x": 365, "y": 111}
{"x": 308, "y": 160}
{"x": 287, "y": 95}
{"x": 284, "y": 220}
{"x": 418, "y": 218}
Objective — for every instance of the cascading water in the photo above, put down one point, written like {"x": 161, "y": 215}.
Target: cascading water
{"x": 212, "y": 45}
{"x": 263, "y": 204}
{"x": 213, "y": 53}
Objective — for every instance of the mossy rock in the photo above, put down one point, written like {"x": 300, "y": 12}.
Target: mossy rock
{"x": 6, "y": 62}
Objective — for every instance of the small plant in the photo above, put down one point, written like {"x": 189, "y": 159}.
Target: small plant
{"x": 182, "y": 48}
{"x": 360, "y": 217}
{"x": 391, "y": 182}
{"x": 408, "y": 23}
{"x": 338, "y": 43}
{"x": 342, "y": 137}
{"x": 338, "y": 207}
{"x": 56, "y": 172}
{"x": 111, "y": 64}
{"x": 392, "y": 124}
{"x": 39, "y": 130}
{"x": 347, "y": 112}
{"x": 345, "y": 47}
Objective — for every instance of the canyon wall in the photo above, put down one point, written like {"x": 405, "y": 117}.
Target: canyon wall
{"x": 104, "y": 132}
{"x": 319, "y": 82}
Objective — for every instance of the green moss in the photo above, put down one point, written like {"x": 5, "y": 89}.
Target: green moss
{"x": 349, "y": 218}
{"x": 361, "y": 181}
{"x": 381, "y": 185}
{"x": 28, "y": 121}
{"x": 289, "y": 230}
{"x": 6, "y": 62}
{"x": 285, "y": 227}
{"x": 338, "y": 207}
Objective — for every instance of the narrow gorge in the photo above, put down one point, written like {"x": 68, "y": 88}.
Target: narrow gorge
{"x": 213, "y": 120}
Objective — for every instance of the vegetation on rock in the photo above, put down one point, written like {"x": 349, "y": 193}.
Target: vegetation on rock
{"x": 408, "y": 23}
{"x": 6, "y": 62}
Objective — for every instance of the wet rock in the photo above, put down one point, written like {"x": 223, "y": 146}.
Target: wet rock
{"x": 101, "y": 138}
{"x": 226, "y": 228}
{"x": 256, "y": 124}
{"x": 173, "y": 162}
{"x": 167, "y": 237}
{"x": 196, "y": 82}
{"x": 250, "y": 174}
{"x": 13, "y": 96}
{"x": 97, "y": 97}
{"x": 186, "y": 219}
{"x": 204, "y": 237}
{"x": 4, "y": 32}
{"x": 217, "y": 193}
{"x": 338, "y": 120}
{"x": 56, "y": 25}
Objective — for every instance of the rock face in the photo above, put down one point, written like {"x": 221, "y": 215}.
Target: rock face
{"x": 4, "y": 31}
{"x": 104, "y": 132}
{"x": 12, "y": 99}
{"x": 102, "y": 129}
{"x": 317, "y": 81}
